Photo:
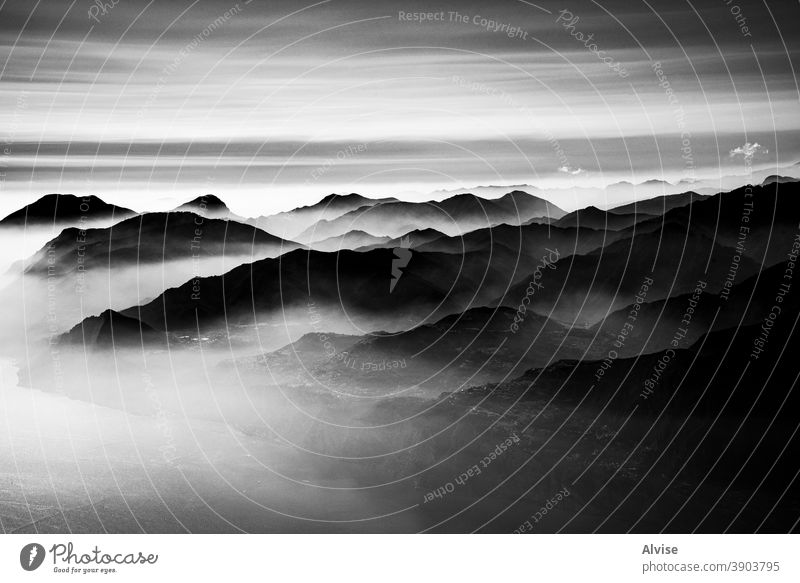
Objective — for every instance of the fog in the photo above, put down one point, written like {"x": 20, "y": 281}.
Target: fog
{"x": 152, "y": 437}
{"x": 307, "y": 395}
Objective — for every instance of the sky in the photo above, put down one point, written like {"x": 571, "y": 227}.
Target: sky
{"x": 272, "y": 105}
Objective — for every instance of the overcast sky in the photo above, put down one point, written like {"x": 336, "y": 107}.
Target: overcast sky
{"x": 275, "y": 104}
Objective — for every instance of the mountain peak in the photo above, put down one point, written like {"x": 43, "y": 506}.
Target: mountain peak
{"x": 65, "y": 208}
{"x": 109, "y": 329}
{"x": 333, "y": 197}
{"x": 206, "y": 203}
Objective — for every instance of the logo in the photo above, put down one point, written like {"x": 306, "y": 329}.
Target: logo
{"x": 31, "y": 556}
{"x": 400, "y": 258}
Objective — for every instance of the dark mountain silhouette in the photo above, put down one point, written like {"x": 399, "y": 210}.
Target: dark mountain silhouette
{"x": 754, "y": 217}
{"x": 521, "y": 204}
{"x": 65, "y": 209}
{"x": 412, "y": 239}
{"x": 111, "y": 329}
{"x": 593, "y": 218}
{"x": 153, "y": 238}
{"x": 478, "y": 345}
{"x": 685, "y": 318}
{"x": 348, "y": 282}
{"x": 346, "y": 202}
{"x": 475, "y": 344}
{"x": 584, "y": 288}
{"x": 445, "y": 276}
{"x": 689, "y": 243}
{"x": 350, "y": 240}
{"x": 695, "y": 436}
{"x": 658, "y": 205}
{"x": 517, "y": 248}
{"x": 208, "y": 205}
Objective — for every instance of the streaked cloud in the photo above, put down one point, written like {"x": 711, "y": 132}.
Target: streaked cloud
{"x": 179, "y": 87}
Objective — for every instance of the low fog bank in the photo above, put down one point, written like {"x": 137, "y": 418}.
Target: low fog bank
{"x": 39, "y": 306}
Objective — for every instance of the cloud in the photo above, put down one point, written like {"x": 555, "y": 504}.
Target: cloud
{"x": 571, "y": 170}
{"x": 748, "y": 150}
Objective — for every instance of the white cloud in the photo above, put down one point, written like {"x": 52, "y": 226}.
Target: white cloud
{"x": 571, "y": 170}
{"x": 748, "y": 150}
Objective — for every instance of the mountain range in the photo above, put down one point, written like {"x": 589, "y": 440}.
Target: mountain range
{"x": 644, "y": 350}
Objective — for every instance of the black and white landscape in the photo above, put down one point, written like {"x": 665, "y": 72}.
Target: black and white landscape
{"x": 573, "y": 323}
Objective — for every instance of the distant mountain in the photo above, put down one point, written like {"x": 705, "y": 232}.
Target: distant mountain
{"x": 345, "y": 202}
{"x": 154, "y": 238}
{"x": 594, "y": 218}
{"x": 207, "y": 205}
{"x": 759, "y": 218}
{"x": 89, "y": 270}
{"x": 591, "y": 274}
{"x": 350, "y": 240}
{"x": 445, "y": 276}
{"x": 65, "y": 209}
{"x": 774, "y": 178}
{"x": 290, "y": 224}
{"x": 658, "y": 205}
{"x": 517, "y": 248}
{"x": 452, "y": 216}
{"x": 412, "y": 239}
{"x": 520, "y": 204}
